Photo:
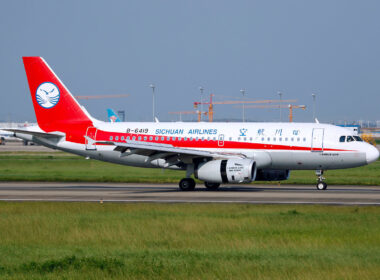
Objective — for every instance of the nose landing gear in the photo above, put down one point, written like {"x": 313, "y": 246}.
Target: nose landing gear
{"x": 320, "y": 184}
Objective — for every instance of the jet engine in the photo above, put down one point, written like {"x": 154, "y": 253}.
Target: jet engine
{"x": 272, "y": 175}
{"x": 226, "y": 171}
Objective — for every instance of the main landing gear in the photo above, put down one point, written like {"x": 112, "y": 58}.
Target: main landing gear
{"x": 187, "y": 184}
{"x": 320, "y": 185}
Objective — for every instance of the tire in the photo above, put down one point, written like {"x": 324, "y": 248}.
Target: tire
{"x": 187, "y": 184}
{"x": 321, "y": 186}
{"x": 212, "y": 186}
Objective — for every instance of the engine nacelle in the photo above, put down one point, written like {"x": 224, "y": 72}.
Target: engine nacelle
{"x": 226, "y": 171}
{"x": 272, "y": 175}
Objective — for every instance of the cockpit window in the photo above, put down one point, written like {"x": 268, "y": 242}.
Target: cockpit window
{"x": 350, "y": 139}
{"x": 357, "y": 138}
{"x": 342, "y": 139}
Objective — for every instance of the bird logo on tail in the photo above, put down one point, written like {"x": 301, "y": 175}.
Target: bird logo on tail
{"x": 47, "y": 95}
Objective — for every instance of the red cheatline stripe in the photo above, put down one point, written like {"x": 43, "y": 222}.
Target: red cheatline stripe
{"x": 205, "y": 144}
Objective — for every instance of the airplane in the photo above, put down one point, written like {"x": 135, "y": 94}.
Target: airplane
{"x": 112, "y": 117}
{"x": 216, "y": 153}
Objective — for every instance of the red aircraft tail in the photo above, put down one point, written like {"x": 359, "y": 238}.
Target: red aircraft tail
{"x": 55, "y": 107}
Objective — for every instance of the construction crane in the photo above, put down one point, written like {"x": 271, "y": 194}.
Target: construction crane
{"x": 180, "y": 113}
{"x": 290, "y": 107}
{"x": 86, "y": 97}
{"x": 211, "y": 104}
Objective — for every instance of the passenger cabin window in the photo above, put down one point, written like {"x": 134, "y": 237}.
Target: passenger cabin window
{"x": 342, "y": 139}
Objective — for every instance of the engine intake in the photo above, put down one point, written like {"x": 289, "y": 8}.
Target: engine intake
{"x": 226, "y": 171}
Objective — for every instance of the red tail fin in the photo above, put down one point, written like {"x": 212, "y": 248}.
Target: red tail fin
{"x": 55, "y": 107}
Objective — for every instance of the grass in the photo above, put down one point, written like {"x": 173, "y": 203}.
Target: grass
{"x": 59, "y": 166}
{"x": 187, "y": 241}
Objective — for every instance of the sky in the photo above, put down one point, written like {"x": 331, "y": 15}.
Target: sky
{"x": 327, "y": 47}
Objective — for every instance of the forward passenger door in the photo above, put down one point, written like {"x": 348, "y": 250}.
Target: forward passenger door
{"x": 317, "y": 140}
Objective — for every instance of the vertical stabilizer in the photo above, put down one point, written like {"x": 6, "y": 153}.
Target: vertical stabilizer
{"x": 55, "y": 107}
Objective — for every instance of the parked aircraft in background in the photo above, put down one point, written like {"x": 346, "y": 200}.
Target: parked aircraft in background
{"x": 214, "y": 152}
{"x": 112, "y": 117}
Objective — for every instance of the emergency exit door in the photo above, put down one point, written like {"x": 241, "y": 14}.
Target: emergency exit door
{"x": 221, "y": 140}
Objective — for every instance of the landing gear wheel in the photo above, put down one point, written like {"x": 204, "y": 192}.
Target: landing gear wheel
{"x": 187, "y": 184}
{"x": 212, "y": 186}
{"x": 321, "y": 186}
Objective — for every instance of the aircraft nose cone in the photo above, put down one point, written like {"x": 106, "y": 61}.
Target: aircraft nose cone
{"x": 372, "y": 154}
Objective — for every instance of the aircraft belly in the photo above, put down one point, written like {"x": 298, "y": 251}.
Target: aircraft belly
{"x": 282, "y": 160}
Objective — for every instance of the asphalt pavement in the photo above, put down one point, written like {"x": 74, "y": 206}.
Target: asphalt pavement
{"x": 169, "y": 193}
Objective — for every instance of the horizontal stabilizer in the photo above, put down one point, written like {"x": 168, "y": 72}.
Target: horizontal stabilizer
{"x": 36, "y": 133}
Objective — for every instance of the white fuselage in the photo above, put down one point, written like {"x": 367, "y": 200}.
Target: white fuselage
{"x": 273, "y": 145}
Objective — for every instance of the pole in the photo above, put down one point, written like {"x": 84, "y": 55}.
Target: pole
{"x": 153, "y": 109}
{"x": 243, "y": 93}
{"x": 314, "y": 96}
{"x": 280, "y": 94}
{"x": 201, "y": 89}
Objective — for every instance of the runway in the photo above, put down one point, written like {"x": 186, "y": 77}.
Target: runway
{"x": 169, "y": 193}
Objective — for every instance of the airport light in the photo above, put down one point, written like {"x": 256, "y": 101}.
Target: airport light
{"x": 152, "y": 86}
{"x": 201, "y": 90}
{"x": 243, "y": 93}
{"x": 314, "y": 96}
{"x": 280, "y": 94}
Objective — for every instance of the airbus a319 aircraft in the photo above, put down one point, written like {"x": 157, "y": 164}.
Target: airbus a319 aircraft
{"x": 215, "y": 153}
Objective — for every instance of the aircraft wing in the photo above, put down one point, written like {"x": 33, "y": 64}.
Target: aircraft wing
{"x": 172, "y": 155}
